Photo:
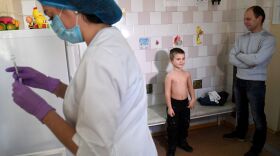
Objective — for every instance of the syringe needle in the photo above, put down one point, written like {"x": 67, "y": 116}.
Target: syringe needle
{"x": 16, "y": 69}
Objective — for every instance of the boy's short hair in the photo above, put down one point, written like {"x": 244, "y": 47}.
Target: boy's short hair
{"x": 175, "y": 51}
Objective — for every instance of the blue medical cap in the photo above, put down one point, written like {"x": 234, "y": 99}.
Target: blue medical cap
{"x": 106, "y": 10}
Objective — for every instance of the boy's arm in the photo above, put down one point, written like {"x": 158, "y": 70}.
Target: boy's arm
{"x": 168, "y": 91}
{"x": 191, "y": 91}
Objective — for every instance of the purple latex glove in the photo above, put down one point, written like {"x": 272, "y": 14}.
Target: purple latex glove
{"x": 34, "y": 78}
{"x": 30, "y": 101}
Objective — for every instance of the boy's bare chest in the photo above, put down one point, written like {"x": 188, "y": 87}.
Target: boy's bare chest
{"x": 180, "y": 81}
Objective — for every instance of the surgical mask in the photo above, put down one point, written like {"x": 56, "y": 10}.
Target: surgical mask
{"x": 72, "y": 35}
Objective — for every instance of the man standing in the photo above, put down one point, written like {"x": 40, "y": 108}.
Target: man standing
{"x": 251, "y": 55}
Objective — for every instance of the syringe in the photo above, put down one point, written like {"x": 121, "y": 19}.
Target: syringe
{"x": 13, "y": 59}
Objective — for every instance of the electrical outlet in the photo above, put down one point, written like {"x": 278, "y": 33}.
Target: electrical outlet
{"x": 149, "y": 88}
{"x": 197, "y": 84}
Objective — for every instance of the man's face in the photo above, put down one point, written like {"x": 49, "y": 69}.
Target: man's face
{"x": 251, "y": 22}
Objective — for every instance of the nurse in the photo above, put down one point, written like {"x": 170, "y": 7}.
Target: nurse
{"x": 105, "y": 103}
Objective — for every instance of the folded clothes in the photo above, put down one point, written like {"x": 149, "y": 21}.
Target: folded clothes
{"x": 214, "y": 96}
{"x": 206, "y": 101}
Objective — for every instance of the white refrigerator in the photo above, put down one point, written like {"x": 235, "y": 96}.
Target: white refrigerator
{"x": 20, "y": 132}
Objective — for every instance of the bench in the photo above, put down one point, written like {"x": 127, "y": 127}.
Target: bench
{"x": 157, "y": 113}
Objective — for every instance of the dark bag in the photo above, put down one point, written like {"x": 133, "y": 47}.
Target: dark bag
{"x": 205, "y": 101}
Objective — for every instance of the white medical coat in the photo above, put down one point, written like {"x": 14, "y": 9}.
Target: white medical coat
{"x": 106, "y": 100}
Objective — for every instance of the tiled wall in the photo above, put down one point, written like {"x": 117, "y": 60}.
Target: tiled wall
{"x": 161, "y": 20}
{"x": 11, "y": 8}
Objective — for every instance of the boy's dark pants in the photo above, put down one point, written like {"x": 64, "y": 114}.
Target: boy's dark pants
{"x": 177, "y": 126}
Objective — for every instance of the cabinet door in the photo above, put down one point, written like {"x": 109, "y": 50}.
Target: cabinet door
{"x": 20, "y": 132}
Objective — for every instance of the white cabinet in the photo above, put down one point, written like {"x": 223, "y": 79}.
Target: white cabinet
{"x": 20, "y": 132}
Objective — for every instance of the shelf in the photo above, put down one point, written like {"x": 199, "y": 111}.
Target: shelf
{"x": 157, "y": 113}
{"x": 26, "y": 33}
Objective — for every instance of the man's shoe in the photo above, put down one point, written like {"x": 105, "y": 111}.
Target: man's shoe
{"x": 251, "y": 153}
{"x": 186, "y": 147}
{"x": 234, "y": 136}
{"x": 170, "y": 153}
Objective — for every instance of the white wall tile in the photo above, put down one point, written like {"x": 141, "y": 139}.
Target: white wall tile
{"x": 159, "y": 5}
{"x": 141, "y": 58}
{"x": 156, "y": 66}
{"x": 240, "y": 27}
{"x": 146, "y": 67}
{"x": 187, "y": 2}
{"x": 153, "y": 42}
{"x": 131, "y": 18}
{"x": 155, "y": 18}
{"x": 217, "y": 39}
{"x": 159, "y": 66}
{"x": 267, "y": 25}
{"x": 169, "y": 67}
{"x": 161, "y": 77}
{"x": 186, "y": 50}
{"x": 182, "y": 8}
{"x": 187, "y": 29}
{"x": 139, "y": 30}
{"x": 140, "y": 55}
{"x": 204, "y": 61}
{"x": 198, "y": 17}
{"x": 223, "y": 5}
{"x": 209, "y": 28}
{"x": 133, "y": 42}
{"x": 201, "y": 72}
{"x": 219, "y": 71}
{"x": 249, "y": 3}
{"x": 267, "y": 3}
{"x": 221, "y": 27}
{"x": 158, "y": 88}
{"x": 203, "y": 7}
{"x": 158, "y": 99}
{"x": 217, "y": 16}
{"x": 137, "y": 5}
{"x": 189, "y": 63}
{"x": 240, "y": 4}
{"x": 162, "y": 30}
{"x": 177, "y": 17}
{"x": 202, "y": 51}
{"x": 214, "y": 80}
{"x": 27, "y": 7}
{"x": 239, "y": 15}
{"x": 231, "y": 27}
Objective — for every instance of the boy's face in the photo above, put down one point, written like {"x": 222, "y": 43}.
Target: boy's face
{"x": 178, "y": 61}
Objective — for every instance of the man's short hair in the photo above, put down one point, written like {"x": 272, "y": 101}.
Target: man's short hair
{"x": 258, "y": 11}
{"x": 175, "y": 51}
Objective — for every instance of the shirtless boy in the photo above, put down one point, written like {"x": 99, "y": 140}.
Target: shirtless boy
{"x": 178, "y": 89}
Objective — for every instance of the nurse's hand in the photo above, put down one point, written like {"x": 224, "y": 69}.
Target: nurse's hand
{"x": 34, "y": 78}
{"x": 30, "y": 101}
